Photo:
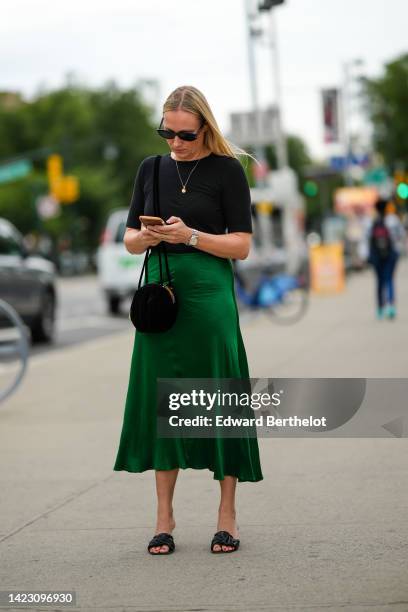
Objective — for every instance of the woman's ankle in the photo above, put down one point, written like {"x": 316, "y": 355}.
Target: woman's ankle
{"x": 165, "y": 513}
{"x": 227, "y": 510}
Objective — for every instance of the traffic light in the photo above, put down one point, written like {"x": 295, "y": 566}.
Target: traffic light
{"x": 54, "y": 167}
{"x": 311, "y": 189}
{"x": 401, "y": 184}
{"x": 402, "y": 191}
{"x": 267, "y": 5}
{"x": 54, "y": 174}
{"x": 69, "y": 189}
{"x": 64, "y": 189}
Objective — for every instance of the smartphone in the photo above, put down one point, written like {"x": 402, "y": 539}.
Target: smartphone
{"x": 148, "y": 220}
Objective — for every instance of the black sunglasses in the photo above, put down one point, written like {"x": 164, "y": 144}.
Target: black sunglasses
{"x": 183, "y": 135}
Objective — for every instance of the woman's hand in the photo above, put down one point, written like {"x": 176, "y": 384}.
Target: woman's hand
{"x": 137, "y": 241}
{"x": 147, "y": 238}
{"x": 176, "y": 231}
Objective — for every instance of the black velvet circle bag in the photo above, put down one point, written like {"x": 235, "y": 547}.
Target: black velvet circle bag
{"x": 154, "y": 305}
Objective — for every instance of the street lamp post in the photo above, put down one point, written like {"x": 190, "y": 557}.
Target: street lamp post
{"x": 281, "y": 143}
{"x": 251, "y": 33}
{"x": 347, "y": 113}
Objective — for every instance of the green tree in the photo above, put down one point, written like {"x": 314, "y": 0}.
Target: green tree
{"x": 17, "y": 202}
{"x": 387, "y": 104}
{"x": 124, "y": 123}
{"x": 103, "y": 135}
{"x": 298, "y": 156}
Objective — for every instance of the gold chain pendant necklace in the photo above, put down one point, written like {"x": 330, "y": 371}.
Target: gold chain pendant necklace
{"x": 184, "y": 185}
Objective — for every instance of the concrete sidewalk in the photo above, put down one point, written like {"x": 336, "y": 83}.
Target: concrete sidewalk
{"x": 326, "y": 529}
{"x": 339, "y": 336}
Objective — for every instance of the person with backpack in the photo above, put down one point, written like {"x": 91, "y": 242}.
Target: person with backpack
{"x": 386, "y": 239}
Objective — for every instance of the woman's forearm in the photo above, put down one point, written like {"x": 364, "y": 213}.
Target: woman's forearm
{"x": 232, "y": 245}
{"x": 132, "y": 241}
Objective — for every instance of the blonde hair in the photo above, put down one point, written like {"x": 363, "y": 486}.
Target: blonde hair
{"x": 192, "y": 100}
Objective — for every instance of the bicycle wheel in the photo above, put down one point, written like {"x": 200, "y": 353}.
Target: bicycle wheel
{"x": 14, "y": 350}
{"x": 293, "y": 299}
{"x": 244, "y": 298}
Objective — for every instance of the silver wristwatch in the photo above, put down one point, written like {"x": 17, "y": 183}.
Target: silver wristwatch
{"x": 193, "y": 238}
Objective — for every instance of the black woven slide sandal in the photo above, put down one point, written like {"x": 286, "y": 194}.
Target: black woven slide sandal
{"x": 226, "y": 539}
{"x": 161, "y": 539}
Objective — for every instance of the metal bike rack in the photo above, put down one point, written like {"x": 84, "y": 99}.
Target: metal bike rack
{"x": 19, "y": 347}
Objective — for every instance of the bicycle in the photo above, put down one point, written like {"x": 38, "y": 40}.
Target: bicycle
{"x": 12, "y": 344}
{"x": 282, "y": 296}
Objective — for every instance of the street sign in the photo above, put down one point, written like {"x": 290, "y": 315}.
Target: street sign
{"x": 342, "y": 162}
{"x": 376, "y": 176}
{"x": 47, "y": 207}
{"x": 15, "y": 170}
{"x": 255, "y": 129}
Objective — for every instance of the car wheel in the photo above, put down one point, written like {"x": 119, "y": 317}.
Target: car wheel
{"x": 43, "y": 328}
{"x": 114, "y": 304}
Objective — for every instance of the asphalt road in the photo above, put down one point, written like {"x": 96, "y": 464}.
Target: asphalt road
{"x": 82, "y": 314}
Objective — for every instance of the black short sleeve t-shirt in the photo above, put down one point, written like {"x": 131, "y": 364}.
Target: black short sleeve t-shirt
{"x": 217, "y": 198}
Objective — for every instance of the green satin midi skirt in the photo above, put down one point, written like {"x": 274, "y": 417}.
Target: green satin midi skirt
{"x": 204, "y": 342}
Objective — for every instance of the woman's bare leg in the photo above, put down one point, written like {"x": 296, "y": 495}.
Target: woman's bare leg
{"x": 165, "y": 483}
{"x": 226, "y": 511}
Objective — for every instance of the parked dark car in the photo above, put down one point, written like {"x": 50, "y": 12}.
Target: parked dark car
{"x": 28, "y": 283}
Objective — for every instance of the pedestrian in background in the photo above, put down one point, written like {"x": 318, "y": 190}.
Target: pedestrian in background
{"x": 386, "y": 241}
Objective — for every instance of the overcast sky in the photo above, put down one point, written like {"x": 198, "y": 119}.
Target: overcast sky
{"x": 202, "y": 43}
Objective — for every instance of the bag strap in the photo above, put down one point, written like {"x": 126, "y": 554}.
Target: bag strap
{"x": 161, "y": 247}
{"x": 156, "y": 204}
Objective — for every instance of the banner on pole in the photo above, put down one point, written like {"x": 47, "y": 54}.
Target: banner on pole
{"x": 330, "y": 103}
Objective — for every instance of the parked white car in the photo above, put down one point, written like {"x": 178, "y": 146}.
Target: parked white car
{"x": 118, "y": 270}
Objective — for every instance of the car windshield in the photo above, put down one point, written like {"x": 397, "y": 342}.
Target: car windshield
{"x": 9, "y": 246}
{"x": 120, "y": 231}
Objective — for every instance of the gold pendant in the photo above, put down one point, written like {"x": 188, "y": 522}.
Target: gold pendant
{"x": 183, "y": 190}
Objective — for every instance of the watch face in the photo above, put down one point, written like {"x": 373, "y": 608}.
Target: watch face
{"x": 193, "y": 239}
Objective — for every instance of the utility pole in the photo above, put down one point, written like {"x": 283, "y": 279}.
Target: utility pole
{"x": 281, "y": 144}
{"x": 259, "y": 153}
{"x": 347, "y": 98}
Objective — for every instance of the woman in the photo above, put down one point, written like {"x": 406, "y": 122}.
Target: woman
{"x": 203, "y": 192}
{"x": 386, "y": 240}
